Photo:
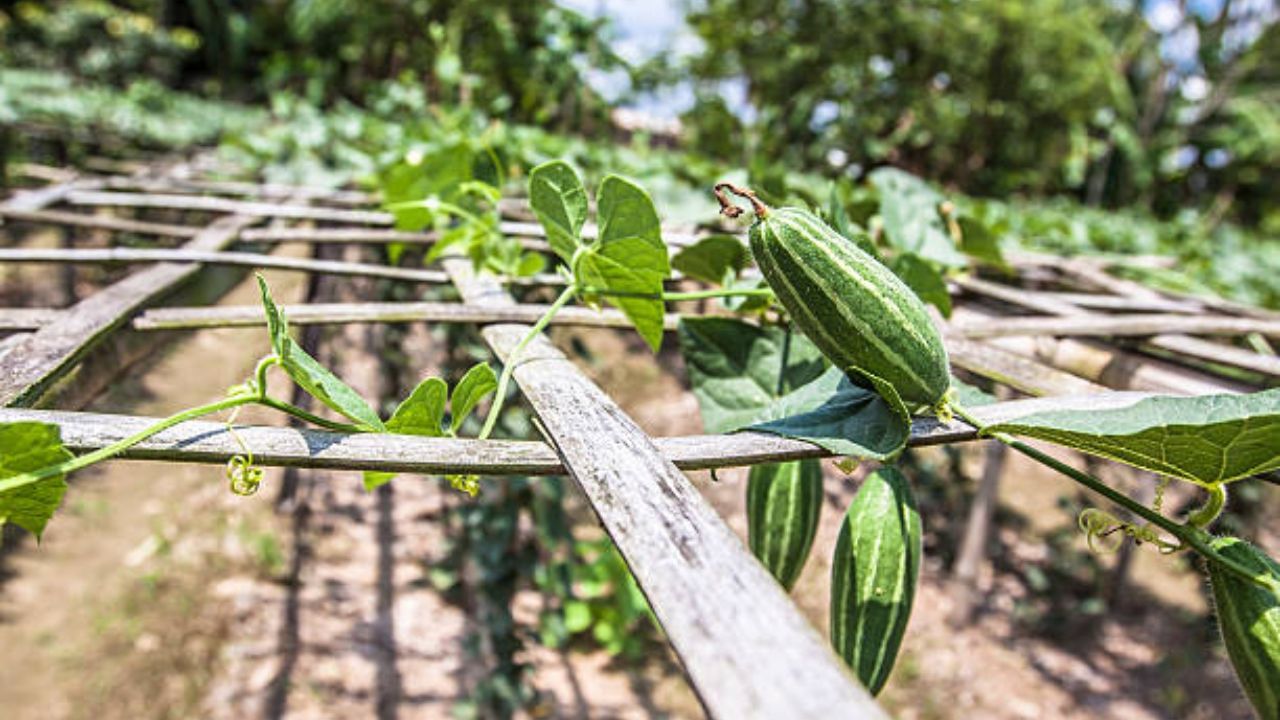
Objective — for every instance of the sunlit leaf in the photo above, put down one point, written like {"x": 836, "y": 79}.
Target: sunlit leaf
{"x": 909, "y": 210}
{"x": 1207, "y": 439}
{"x": 277, "y": 326}
{"x": 421, "y": 413}
{"x": 326, "y": 387}
{"x": 26, "y": 447}
{"x": 479, "y": 382}
{"x": 629, "y": 258}
{"x": 559, "y": 200}
{"x": 834, "y": 413}
{"x": 310, "y": 375}
{"x": 977, "y": 241}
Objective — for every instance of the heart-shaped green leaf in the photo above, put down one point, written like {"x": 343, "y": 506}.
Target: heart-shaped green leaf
{"x": 978, "y": 242}
{"x": 629, "y": 258}
{"x": 909, "y": 211}
{"x": 422, "y": 413}
{"x": 629, "y": 265}
{"x": 441, "y": 173}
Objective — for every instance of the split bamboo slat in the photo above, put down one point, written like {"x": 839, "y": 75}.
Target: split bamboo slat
{"x": 211, "y": 442}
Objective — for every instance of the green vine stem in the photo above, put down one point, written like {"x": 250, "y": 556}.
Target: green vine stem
{"x": 1212, "y": 508}
{"x": 1188, "y": 535}
{"x": 260, "y": 373}
{"x": 724, "y": 292}
{"x": 306, "y": 416}
{"x": 106, "y": 453}
{"x": 500, "y": 395}
{"x": 252, "y": 392}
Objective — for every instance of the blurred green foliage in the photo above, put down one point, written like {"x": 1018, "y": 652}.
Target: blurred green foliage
{"x": 95, "y": 39}
{"x": 1080, "y": 97}
{"x": 144, "y": 112}
{"x": 522, "y": 59}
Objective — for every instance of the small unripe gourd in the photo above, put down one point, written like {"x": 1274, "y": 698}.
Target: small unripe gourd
{"x": 860, "y": 315}
{"x": 784, "y": 501}
{"x": 1249, "y": 617}
{"x": 874, "y": 573}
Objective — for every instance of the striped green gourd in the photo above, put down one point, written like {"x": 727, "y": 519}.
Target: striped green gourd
{"x": 858, "y": 313}
{"x": 783, "y": 503}
{"x": 1249, "y": 617}
{"x": 874, "y": 573}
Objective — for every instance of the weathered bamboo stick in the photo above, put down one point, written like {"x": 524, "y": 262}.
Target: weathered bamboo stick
{"x": 1094, "y": 301}
{"x": 1169, "y": 342}
{"x": 210, "y": 442}
{"x": 247, "y": 259}
{"x": 245, "y": 189}
{"x": 27, "y": 318}
{"x": 45, "y": 173}
{"x": 1095, "y": 276}
{"x": 307, "y": 212}
{"x": 364, "y": 235}
{"x": 223, "y": 205}
{"x": 100, "y": 222}
{"x": 29, "y": 200}
{"x": 377, "y": 312}
{"x": 1102, "y": 364}
{"x": 1117, "y": 326}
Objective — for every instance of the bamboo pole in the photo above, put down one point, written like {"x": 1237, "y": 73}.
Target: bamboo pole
{"x": 1117, "y": 326}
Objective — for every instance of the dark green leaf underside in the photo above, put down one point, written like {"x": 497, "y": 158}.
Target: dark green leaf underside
{"x": 834, "y": 413}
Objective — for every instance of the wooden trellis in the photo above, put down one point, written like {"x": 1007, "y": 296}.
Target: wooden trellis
{"x": 747, "y": 649}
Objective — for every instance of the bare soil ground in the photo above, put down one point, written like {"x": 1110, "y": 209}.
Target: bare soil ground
{"x": 158, "y": 594}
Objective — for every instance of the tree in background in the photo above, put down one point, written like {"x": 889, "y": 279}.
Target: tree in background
{"x": 993, "y": 96}
{"x": 94, "y": 40}
{"x": 519, "y": 59}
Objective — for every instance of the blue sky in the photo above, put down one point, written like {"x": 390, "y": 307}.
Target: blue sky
{"x": 641, "y": 29}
